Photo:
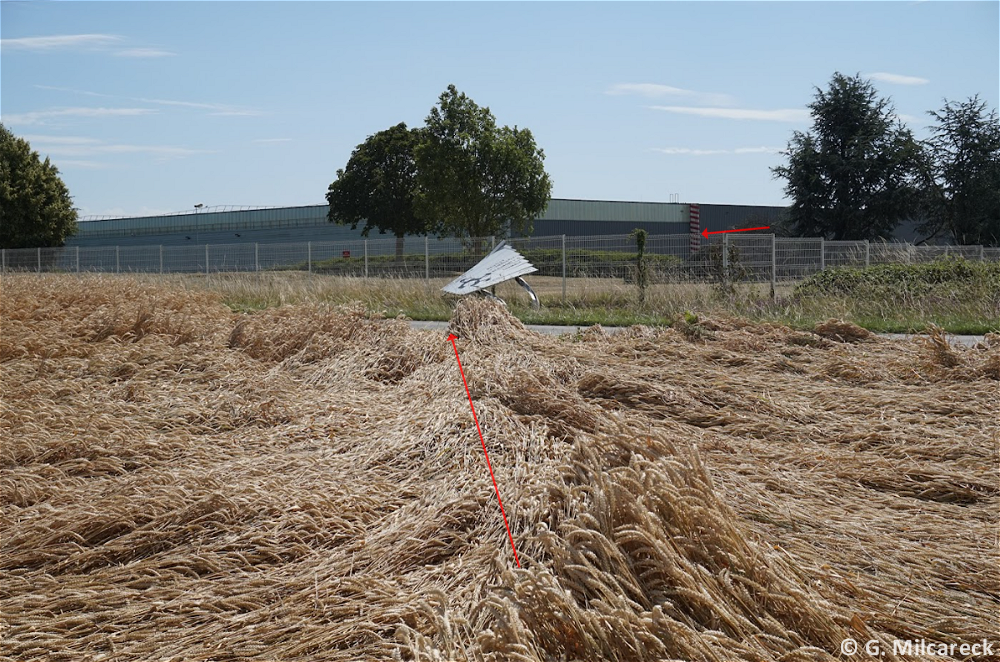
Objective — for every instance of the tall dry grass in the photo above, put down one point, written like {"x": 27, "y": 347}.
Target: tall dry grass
{"x": 182, "y": 482}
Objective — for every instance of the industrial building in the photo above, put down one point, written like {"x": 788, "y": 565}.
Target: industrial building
{"x": 277, "y": 225}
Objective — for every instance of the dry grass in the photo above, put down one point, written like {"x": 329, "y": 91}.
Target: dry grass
{"x": 182, "y": 482}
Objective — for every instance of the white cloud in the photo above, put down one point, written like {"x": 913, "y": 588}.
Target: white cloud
{"x": 36, "y": 139}
{"x": 55, "y": 88}
{"x": 54, "y": 42}
{"x": 898, "y": 79}
{"x": 656, "y": 91}
{"x": 236, "y": 112}
{"x": 687, "y": 151}
{"x": 217, "y": 108}
{"x": 161, "y": 151}
{"x": 779, "y": 115}
{"x": 43, "y": 116}
{"x": 76, "y": 147}
{"x": 143, "y": 52}
{"x": 182, "y": 104}
{"x": 75, "y": 163}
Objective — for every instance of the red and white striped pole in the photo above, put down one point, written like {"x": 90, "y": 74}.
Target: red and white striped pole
{"x": 695, "y": 226}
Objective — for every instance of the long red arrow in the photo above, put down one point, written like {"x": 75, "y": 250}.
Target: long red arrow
{"x": 705, "y": 232}
{"x": 451, "y": 338}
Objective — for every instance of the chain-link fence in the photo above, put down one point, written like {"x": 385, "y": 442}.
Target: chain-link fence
{"x": 669, "y": 258}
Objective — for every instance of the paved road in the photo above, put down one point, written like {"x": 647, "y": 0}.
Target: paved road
{"x": 558, "y": 330}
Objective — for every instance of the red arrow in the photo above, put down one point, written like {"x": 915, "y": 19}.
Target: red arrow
{"x": 451, "y": 338}
{"x": 705, "y": 232}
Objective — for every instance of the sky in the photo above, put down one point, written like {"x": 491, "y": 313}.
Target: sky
{"x": 153, "y": 107}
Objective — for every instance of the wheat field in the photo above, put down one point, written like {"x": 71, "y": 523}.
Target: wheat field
{"x": 181, "y": 482}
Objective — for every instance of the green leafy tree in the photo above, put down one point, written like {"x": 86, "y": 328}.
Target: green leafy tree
{"x": 963, "y": 191}
{"x": 856, "y": 174}
{"x": 36, "y": 209}
{"x": 378, "y": 186}
{"x": 475, "y": 178}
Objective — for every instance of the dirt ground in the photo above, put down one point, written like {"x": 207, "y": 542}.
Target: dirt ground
{"x": 182, "y": 482}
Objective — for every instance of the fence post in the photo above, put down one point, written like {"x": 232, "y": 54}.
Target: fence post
{"x": 725, "y": 258}
{"x": 3, "y": 258}
{"x": 564, "y": 269}
{"x": 946, "y": 250}
{"x": 77, "y": 259}
{"x": 982, "y": 253}
{"x": 161, "y": 258}
{"x": 774, "y": 268}
{"x": 39, "y": 258}
{"x": 868, "y": 253}
{"x": 427, "y": 259}
{"x": 309, "y": 256}
{"x": 822, "y": 254}
{"x": 118, "y": 262}
{"x": 366, "y": 258}
{"x": 256, "y": 256}
{"x": 493, "y": 241}
{"x": 206, "y": 259}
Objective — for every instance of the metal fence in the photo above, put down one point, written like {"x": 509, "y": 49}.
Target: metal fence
{"x": 670, "y": 258}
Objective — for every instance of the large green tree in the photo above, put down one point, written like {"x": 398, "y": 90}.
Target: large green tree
{"x": 378, "y": 186}
{"x": 476, "y": 178}
{"x": 36, "y": 209}
{"x": 963, "y": 188}
{"x": 855, "y": 174}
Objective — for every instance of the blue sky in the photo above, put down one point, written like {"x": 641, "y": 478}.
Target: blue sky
{"x": 148, "y": 107}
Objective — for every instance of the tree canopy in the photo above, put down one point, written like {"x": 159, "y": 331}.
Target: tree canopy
{"x": 963, "y": 188}
{"x": 460, "y": 175}
{"x": 378, "y": 185}
{"x": 476, "y": 178}
{"x": 855, "y": 174}
{"x": 36, "y": 209}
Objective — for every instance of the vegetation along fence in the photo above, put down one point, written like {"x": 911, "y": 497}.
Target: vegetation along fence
{"x": 669, "y": 258}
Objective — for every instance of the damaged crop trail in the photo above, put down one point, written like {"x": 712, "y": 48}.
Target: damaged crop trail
{"x": 306, "y": 482}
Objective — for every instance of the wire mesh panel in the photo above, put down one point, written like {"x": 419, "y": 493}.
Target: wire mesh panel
{"x": 544, "y": 253}
{"x": 55, "y": 259}
{"x": 844, "y": 253}
{"x": 283, "y": 257}
{"x": 397, "y": 258}
{"x": 23, "y": 259}
{"x": 337, "y": 258}
{"x": 965, "y": 252}
{"x": 142, "y": 259}
{"x": 609, "y": 256}
{"x": 231, "y": 257}
{"x": 886, "y": 253}
{"x": 671, "y": 260}
{"x": 924, "y": 253}
{"x": 99, "y": 258}
{"x": 797, "y": 258}
{"x": 184, "y": 259}
{"x": 452, "y": 257}
{"x": 749, "y": 258}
